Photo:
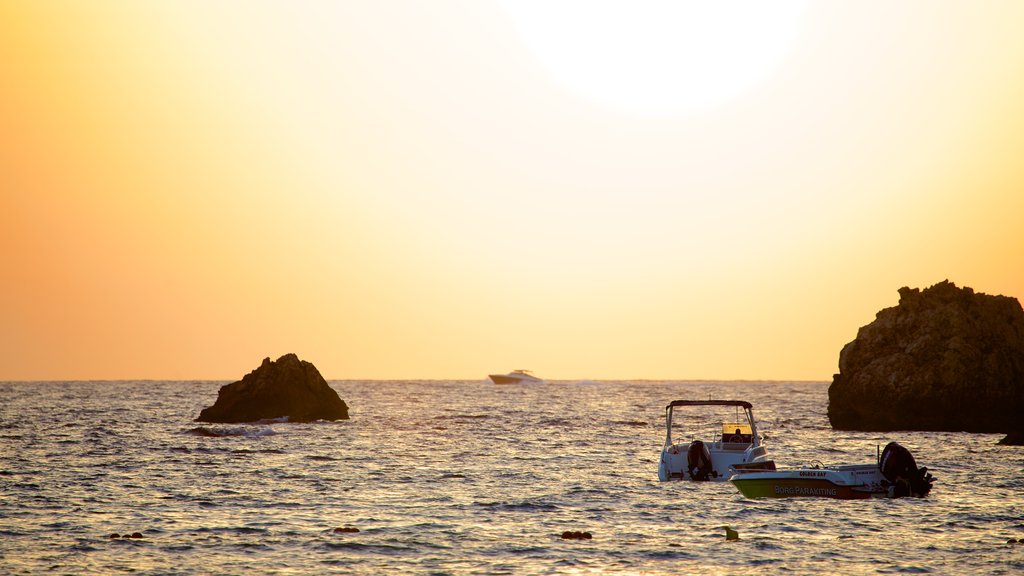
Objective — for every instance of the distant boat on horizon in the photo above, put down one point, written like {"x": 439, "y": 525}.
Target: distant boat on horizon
{"x": 515, "y": 377}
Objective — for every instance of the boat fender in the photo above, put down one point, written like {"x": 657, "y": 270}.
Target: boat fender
{"x": 898, "y": 466}
{"x": 698, "y": 460}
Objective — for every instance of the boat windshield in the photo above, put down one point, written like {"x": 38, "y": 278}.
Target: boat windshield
{"x": 710, "y": 420}
{"x": 736, "y": 428}
{"x": 736, "y": 432}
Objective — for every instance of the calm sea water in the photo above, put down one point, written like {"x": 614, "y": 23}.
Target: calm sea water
{"x": 467, "y": 478}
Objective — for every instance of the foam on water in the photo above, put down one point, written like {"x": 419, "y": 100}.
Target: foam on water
{"x": 215, "y": 432}
{"x": 467, "y": 477}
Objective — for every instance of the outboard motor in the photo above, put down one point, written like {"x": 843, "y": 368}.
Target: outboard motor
{"x": 898, "y": 466}
{"x": 698, "y": 460}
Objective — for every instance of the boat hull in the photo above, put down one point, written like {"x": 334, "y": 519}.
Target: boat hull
{"x": 507, "y": 379}
{"x": 857, "y": 482}
{"x": 766, "y": 488}
{"x": 673, "y": 463}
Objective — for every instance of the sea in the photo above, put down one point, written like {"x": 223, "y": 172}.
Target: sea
{"x": 466, "y": 477}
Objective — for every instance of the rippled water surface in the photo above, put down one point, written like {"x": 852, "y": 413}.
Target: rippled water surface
{"x": 467, "y": 478}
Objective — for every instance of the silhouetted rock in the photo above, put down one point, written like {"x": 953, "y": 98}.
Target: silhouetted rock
{"x": 945, "y": 358}
{"x": 1013, "y": 439}
{"x": 289, "y": 388}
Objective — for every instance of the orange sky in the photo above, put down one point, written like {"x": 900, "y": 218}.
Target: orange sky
{"x": 399, "y": 189}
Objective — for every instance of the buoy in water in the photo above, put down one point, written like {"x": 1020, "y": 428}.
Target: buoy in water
{"x": 731, "y": 534}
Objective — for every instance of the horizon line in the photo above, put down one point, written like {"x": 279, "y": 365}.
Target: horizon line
{"x": 351, "y": 379}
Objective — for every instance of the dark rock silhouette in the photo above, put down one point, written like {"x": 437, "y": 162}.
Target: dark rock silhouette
{"x": 1015, "y": 438}
{"x": 945, "y": 358}
{"x": 288, "y": 387}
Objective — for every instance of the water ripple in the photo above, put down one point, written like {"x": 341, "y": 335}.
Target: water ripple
{"x": 463, "y": 478}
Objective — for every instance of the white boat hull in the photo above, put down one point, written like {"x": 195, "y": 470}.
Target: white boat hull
{"x": 724, "y": 456}
{"x": 894, "y": 476}
{"x": 515, "y": 378}
{"x": 852, "y": 482}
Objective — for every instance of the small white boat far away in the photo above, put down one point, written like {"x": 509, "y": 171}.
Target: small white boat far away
{"x": 515, "y": 377}
{"x": 718, "y": 457}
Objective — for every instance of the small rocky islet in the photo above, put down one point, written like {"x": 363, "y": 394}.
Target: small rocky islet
{"x": 286, "y": 388}
{"x": 944, "y": 359}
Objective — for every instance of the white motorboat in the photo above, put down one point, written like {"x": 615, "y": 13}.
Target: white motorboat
{"x": 718, "y": 455}
{"x": 515, "y": 377}
{"x": 894, "y": 475}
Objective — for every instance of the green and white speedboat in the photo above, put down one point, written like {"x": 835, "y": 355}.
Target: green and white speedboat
{"x": 894, "y": 475}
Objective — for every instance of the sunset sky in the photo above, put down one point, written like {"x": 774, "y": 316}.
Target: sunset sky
{"x": 445, "y": 189}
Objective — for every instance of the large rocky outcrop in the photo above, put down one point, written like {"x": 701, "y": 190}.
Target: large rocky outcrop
{"x": 945, "y": 358}
{"x": 288, "y": 387}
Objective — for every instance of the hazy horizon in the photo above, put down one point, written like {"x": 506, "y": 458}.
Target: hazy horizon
{"x": 466, "y": 379}
{"x": 402, "y": 190}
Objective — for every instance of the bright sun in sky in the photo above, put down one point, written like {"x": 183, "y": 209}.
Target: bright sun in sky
{"x": 657, "y": 57}
{"x": 662, "y": 189}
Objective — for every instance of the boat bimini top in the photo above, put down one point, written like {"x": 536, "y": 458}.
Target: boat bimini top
{"x": 744, "y": 432}
{"x": 740, "y": 403}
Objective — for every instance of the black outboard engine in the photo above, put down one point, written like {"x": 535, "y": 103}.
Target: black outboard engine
{"x": 698, "y": 461}
{"x": 898, "y": 466}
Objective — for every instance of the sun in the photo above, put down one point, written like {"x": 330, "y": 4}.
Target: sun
{"x": 657, "y": 57}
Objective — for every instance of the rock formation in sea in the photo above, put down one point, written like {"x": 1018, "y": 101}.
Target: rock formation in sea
{"x": 1013, "y": 438}
{"x": 288, "y": 387}
{"x": 945, "y": 358}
